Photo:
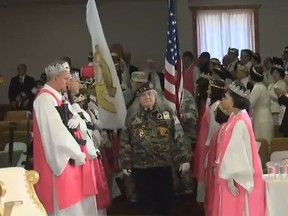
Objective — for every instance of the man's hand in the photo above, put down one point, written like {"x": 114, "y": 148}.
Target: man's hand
{"x": 232, "y": 188}
{"x": 80, "y": 160}
{"x": 127, "y": 172}
{"x": 279, "y": 92}
{"x": 74, "y": 122}
{"x": 185, "y": 167}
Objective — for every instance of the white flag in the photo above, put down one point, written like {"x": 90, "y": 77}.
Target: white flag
{"x": 112, "y": 109}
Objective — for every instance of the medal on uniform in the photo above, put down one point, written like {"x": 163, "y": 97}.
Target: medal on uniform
{"x": 163, "y": 131}
{"x": 166, "y": 115}
{"x": 159, "y": 116}
{"x": 140, "y": 132}
{"x": 138, "y": 120}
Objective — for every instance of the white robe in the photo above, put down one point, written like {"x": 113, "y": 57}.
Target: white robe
{"x": 59, "y": 146}
{"x": 263, "y": 124}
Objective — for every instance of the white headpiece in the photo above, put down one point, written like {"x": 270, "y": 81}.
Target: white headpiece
{"x": 254, "y": 71}
{"x": 236, "y": 89}
{"x": 57, "y": 68}
{"x": 280, "y": 67}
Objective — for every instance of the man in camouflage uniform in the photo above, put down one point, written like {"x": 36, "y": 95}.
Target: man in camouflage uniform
{"x": 138, "y": 78}
{"x": 188, "y": 119}
{"x": 151, "y": 142}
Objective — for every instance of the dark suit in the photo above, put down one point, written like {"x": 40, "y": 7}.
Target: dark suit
{"x": 283, "y": 100}
{"x": 132, "y": 69}
{"x": 16, "y": 87}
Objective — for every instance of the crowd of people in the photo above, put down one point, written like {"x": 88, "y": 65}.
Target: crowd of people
{"x": 225, "y": 107}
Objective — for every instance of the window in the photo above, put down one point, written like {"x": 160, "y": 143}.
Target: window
{"x": 218, "y": 29}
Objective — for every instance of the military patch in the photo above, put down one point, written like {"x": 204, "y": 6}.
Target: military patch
{"x": 138, "y": 120}
{"x": 163, "y": 131}
{"x": 139, "y": 132}
{"x": 159, "y": 116}
{"x": 166, "y": 115}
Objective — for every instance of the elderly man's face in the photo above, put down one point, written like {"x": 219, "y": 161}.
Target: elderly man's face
{"x": 62, "y": 80}
{"x": 147, "y": 99}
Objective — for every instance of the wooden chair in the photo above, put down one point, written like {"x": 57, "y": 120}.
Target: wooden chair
{"x": 22, "y": 125}
{"x": 263, "y": 152}
{"x": 17, "y": 194}
{"x": 16, "y": 115}
{"x": 4, "y": 126}
{"x": 19, "y": 136}
{"x": 279, "y": 144}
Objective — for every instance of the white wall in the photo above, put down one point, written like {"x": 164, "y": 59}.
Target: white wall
{"x": 36, "y": 33}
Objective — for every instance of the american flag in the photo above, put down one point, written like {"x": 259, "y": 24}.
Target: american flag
{"x": 173, "y": 66}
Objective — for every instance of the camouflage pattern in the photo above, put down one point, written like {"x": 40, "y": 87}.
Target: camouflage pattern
{"x": 153, "y": 138}
{"x": 139, "y": 76}
{"x": 189, "y": 116}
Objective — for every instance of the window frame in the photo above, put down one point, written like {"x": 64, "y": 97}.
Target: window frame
{"x": 195, "y": 10}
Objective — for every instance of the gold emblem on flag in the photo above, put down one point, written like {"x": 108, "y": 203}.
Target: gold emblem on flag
{"x": 140, "y": 132}
{"x": 105, "y": 90}
{"x": 163, "y": 131}
{"x": 166, "y": 115}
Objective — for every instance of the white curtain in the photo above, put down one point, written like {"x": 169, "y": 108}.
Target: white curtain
{"x": 217, "y": 30}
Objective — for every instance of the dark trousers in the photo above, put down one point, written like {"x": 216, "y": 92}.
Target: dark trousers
{"x": 154, "y": 187}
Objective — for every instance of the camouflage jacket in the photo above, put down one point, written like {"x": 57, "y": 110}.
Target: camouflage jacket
{"x": 153, "y": 138}
{"x": 189, "y": 116}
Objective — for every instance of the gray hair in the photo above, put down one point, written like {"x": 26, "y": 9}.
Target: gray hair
{"x": 134, "y": 109}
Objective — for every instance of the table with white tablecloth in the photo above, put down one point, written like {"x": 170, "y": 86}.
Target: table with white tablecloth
{"x": 276, "y": 196}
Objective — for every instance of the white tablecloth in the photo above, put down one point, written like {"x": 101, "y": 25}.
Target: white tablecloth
{"x": 276, "y": 196}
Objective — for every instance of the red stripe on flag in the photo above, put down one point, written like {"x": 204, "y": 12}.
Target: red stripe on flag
{"x": 169, "y": 77}
{"x": 169, "y": 96}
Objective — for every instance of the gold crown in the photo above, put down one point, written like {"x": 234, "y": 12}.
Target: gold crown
{"x": 236, "y": 89}
{"x": 56, "y": 68}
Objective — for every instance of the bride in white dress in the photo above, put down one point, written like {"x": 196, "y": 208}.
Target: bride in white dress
{"x": 262, "y": 119}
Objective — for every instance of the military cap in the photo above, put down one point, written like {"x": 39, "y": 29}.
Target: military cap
{"x": 247, "y": 52}
{"x": 233, "y": 50}
{"x": 217, "y": 84}
{"x": 139, "y": 76}
{"x": 145, "y": 87}
{"x": 215, "y": 61}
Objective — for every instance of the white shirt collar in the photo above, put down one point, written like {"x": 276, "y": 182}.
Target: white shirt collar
{"x": 55, "y": 92}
